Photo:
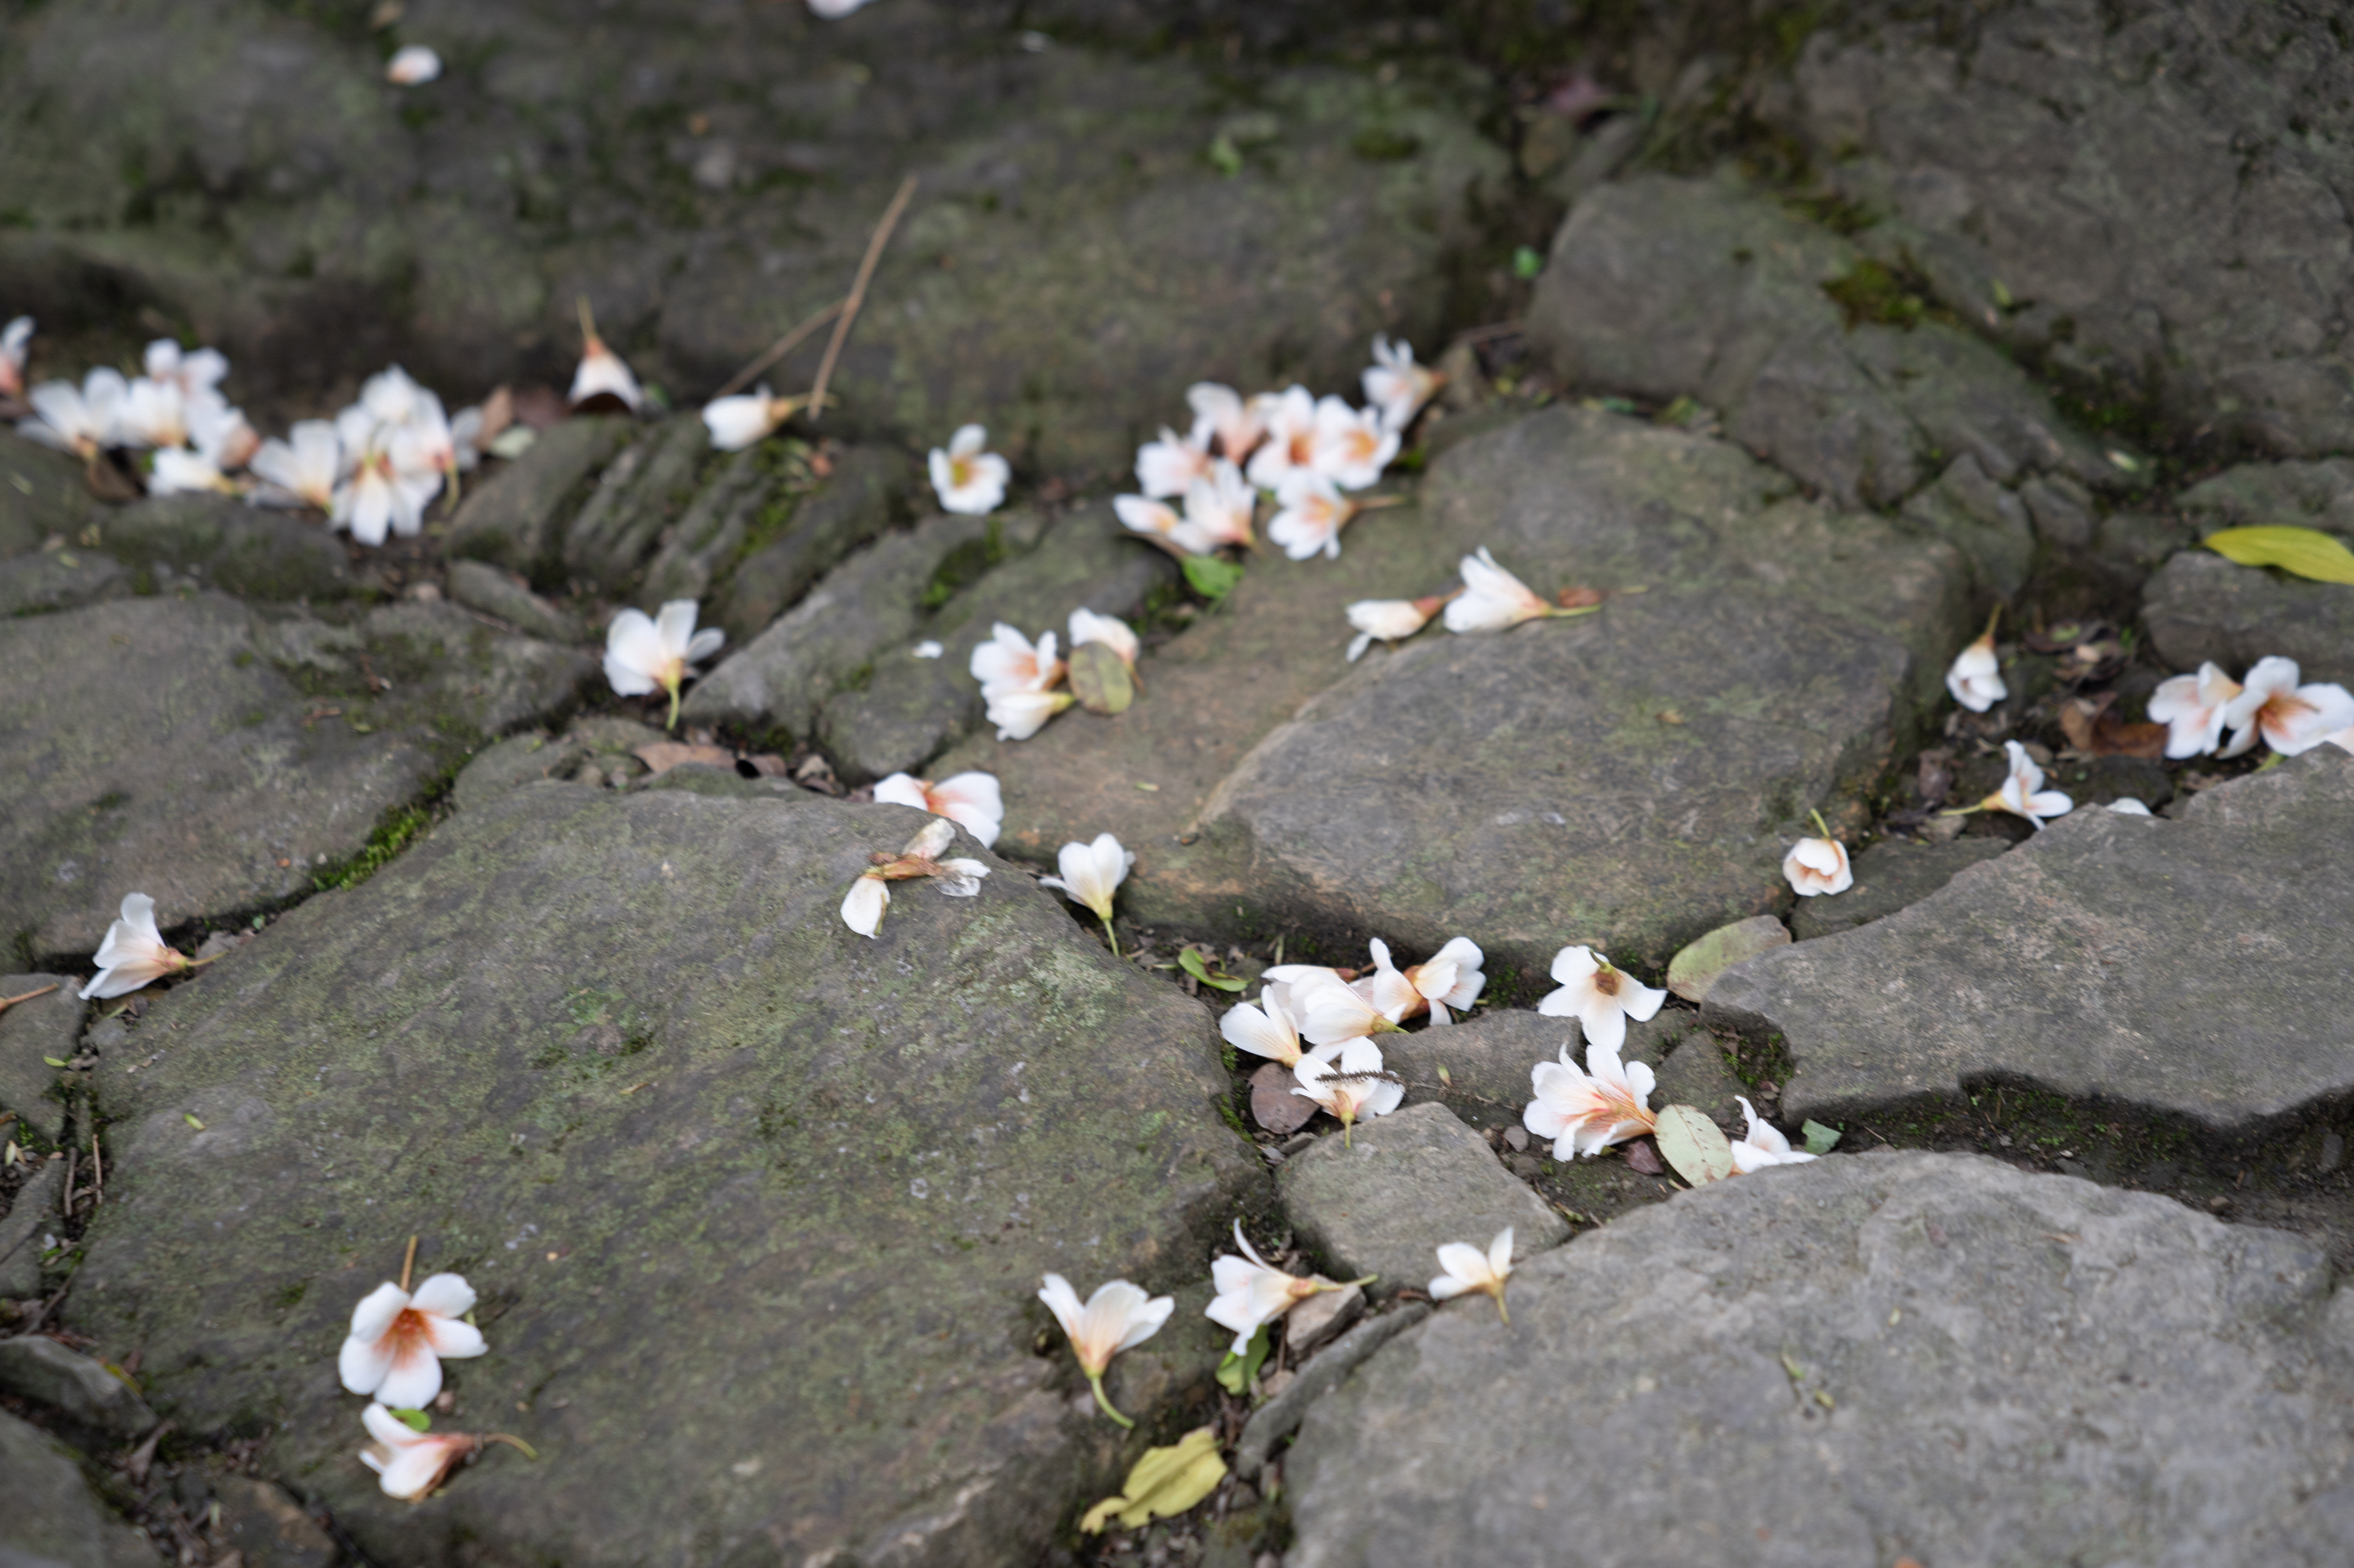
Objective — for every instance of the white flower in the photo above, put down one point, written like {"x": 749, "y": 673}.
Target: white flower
{"x": 2129, "y": 807}
{"x": 1351, "y": 446}
{"x": 200, "y": 371}
{"x": 1331, "y": 1011}
{"x": 78, "y": 420}
{"x": 153, "y": 414}
{"x": 748, "y": 418}
{"x": 2022, "y": 793}
{"x": 835, "y": 10}
{"x": 870, "y": 895}
{"x": 2291, "y": 718}
{"x": 601, "y": 374}
{"x": 1158, "y": 522}
{"x": 132, "y": 953}
{"x": 177, "y": 470}
{"x": 969, "y": 799}
{"x": 1466, "y": 1269}
{"x": 1117, "y": 1318}
{"x": 969, "y": 480}
{"x": 1220, "y": 414}
{"x": 1347, "y": 1079}
{"x": 1087, "y": 626}
{"x": 380, "y": 497}
{"x": 1289, "y": 419}
{"x": 1221, "y": 504}
{"x": 1018, "y": 716}
{"x": 1311, "y": 513}
{"x": 1265, "y": 1030}
{"x": 1010, "y": 663}
{"x": 1601, "y": 997}
{"x": 2194, "y": 709}
{"x": 390, "y": 396}
{"x": 1452, "y": 978}
{"x": 1290, "y": 984}
{"x": 1976, "y": 676}
{"x": 219, "y": 433}
{"x": 1492, "y": 600}
{"x": 424, "y": 442}
{"x": 926, "y": 649}
{"x": 301, "y": 471}
{"x": 1250, "y": 1292}
{"x": 643, "y": 655}
{"x": 411, "y": 1463}
{"x": 14, "y": 339}
{"x": 1816, "y": 867}
{"x": 1587, "y": 1112}
{"x": 413, "y": 65}
{"x": 1170, "y": 465}
{"x": 1397, "y": 385}
{"x": 1091, "y": 874}
{"x": 1762, "y": 1145}
{"x": 398, "y": 1340}
{"x": 1388, "y": 619}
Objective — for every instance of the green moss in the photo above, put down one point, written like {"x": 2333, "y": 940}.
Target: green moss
{"x": 1870, "y": 292}
{"x": 963, "y": 566}
{"x": 402, "y": 827}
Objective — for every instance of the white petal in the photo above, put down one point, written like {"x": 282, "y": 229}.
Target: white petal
{"x": 862, "y": 905}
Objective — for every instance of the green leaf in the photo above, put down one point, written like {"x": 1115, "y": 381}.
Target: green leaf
{"x": 1224, "y": 156}
{"x": 1527, "y": 263}
{"x": 190, "y": 1118}
{"x": 1234, "y": 1372}
{"x": 1820, "y": 1139}
{"x": 1165, "y": 1483}
{"x": 1100, "y": 679}
{"x": 53, "y": 1061}
{"x": 415, "y": 1420}
{"x": 2306, "y": 552}
{"x": 1212, "y": 576}
{"x": 1191, "y": 962}
{"x": 1694, "y": 1145}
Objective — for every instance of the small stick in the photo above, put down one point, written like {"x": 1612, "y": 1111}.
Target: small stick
{"x": 779, "y": 349}
{"x": 98, "y": 1167}
{"x": 8, "y": 1001}
{"x": 858, "y": 297}
{"x": 408, "y": 1263}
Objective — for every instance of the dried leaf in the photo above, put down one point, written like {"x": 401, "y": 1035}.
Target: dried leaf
{"x": 1100, "y": 680}
{"x": 1694, "y": 1145}
{"x": 2306, "y": 552}
{"x": 2113, "y": 738}
{"x": 1165, "y": 1482}
{"x": 1273, "y": 1105}
{"x": 1820, "y": 1139}
{"x": 1577, "y": 598}
{"x": 1642, "y": 1156}
{"x": 662, "y": 756}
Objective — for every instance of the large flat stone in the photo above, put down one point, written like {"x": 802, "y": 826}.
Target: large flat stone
{"x": 2186, "y": 970}
{"x": 36, "y": 1367}
{"x": 2200, "y": 606}
{"x": 157, "y": 750}
{"x": 865, "y": 494}
{"x": 1853, "y": 1362}
{"x": 53, "y": 1516}
{"x": 1893, "y": 874}
{"x": 31, "y": 1033}
{"x": 229, "y": 546}
{"x": 616, "y": 1058}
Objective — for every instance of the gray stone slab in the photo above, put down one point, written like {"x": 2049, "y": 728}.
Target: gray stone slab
{"x": 448, "y": 664}
{"x": 53, "y": 1519}
{"x": 2200, "y": 606}
{"x": 515, "y": 519}
{"x": 225, "y": 544}
{"x": 1853, "y": 1362}
{"x": 269, "y": 1528}
{"x": 41, "y": 495}
{"x": 1400, "y": 1188}
{"x": 866, "y": 493}
{"x": 59, "y": 579}
{"x": 629, "y": 1029}
{"x": 36, "y": 1367}
{"x": 2189, "y": 969}
{"x": 31, "y": 1032}
{"x": 32, "y": 1213}
{"x": 1280, "y": 1417}
{"x": 478, "y": 585}
{"x": 1889, "y": 875}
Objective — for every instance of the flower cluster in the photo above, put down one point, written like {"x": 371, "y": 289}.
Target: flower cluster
{"x": 1018, "y": 677}
{"x": 2210, "y": 712}
{"x": 1491, "y": 599}
{"x": 393, "y": 1355}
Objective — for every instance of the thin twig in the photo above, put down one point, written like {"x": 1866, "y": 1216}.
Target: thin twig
{"x": 858, "y": 297}
{"x": 98, "y": 1166}
{"x": 8, "y": 1001}
{"x": 408, "y": 1263}
{"x": 1493, "y": 330}
{"x": 779, "y": 349}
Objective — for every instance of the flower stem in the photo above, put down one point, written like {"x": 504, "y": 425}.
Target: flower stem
{"x": 1111, "y": 935}
{"x": 487, "y": 1438}
{"x": 1507, "y": 1316}
{"x": 1095, "y": 1380}
{"x": 674, "y": 706}
{"x": 8, "y": 1001}
{"x": 1818, "y": 823}
{"x": 408, "y": 1263}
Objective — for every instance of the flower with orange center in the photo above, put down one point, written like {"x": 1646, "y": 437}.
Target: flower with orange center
{"x": 1587, "y": 1112}
{"x": 1601, "y": 997}
{"x": 413, "y": 1462}
{"x": 1290, "y": 440}
{"x": 2291, "y": 718}
{"x": 1351, "y": 446}
{"x": 398, "y": 1340}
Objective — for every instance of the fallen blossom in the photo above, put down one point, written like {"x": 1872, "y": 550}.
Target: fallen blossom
{"x": 835, "y": 10}
{"x": 1251, "y": 1293}
{"x": 1264, "y": 1029}
{"x": 1397, "y": 385}
{"x": 1587, "y": 1112}
{"x": 1466, "y": 1270}
{"x": 1118, "y": 1317}
{"x": 132, "y": 953}
{"x": 301, "y": 471}
{"x": 379, "y": 496}
{"x": 602, "y": 378}
{"x": 2291, "y": 718}
{"x": 1331, "y": 1011}
{"x": 1018, "y": 716}
{"x": 191, "y": 371}
{"x": 972, "y": 801}
{"x": 77, "y": 420}
{"x": 2022, "y": 793}
{"x": 1220, "y": 506}
{"x": 1086, "y": 627}
{"x": 177, "y": 470}
{"x": 870, "y": 895}
{"x": 1390, "y": 620}
{"x": 1010, "y": 663}
{"x": 2194, "y": 709}
{"x": 153, "y": 414}
{"x": 1348, "y": 1080}
{"x": 1493, "y": 599}
{"x": 1091, "y": 874}
{"x": 1975, "y": 678}
{"x": 1763, "y": 1144}
{"x": 1169, "y": 466}
{"x": 412, "y": 1463}
{"x": 1288, "y": 983}
{"x": 1816, "y": 866}
{"x": 969, "y": 480}
{"x": 643, "y": 654}
{"x": 1221, "y": 415}
{"x": 1162, "y": 524}
{"x": 1351, "y": 446}
{"x": 220, "y": 434}
{"x": 1600, "y": 997}
{"x": 748, "y": 418}
{"x": 926, "y": 649}
{"x": 398, "y": 1340}
{"x": 1310, "y": 511}
{"x": 1451, "y": 980}
{"x": 1290, "y": 418}
{"x": 413, "y": 65}
{"x": 14, "y": 339}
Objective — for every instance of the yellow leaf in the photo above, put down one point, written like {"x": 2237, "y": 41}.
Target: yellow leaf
{"x": 2306, "y": 552}
{"x": 1164, "y": 1483}
{"x": 1693, "y": 1145}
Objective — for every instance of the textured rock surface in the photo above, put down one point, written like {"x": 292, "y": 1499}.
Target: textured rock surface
{"x": 1401, "y": 1187}
{"x": 865, "y": 494}
{"x": 33, "y": 1212}
{"x": 2010, "y": 1367}
{"x": 52, "y": 1517}
{"x": 35, "y": 1367}
{"x": 631, "y": 1032}
{"x": 2200, "y": 607}
{"x": 41, "y": 495}
{"x": 269, "y": 1528}
{"x": 162, "y": 754}
{"x": 1889, "y": 875}
{"x": 59, "y": 579}
{"x": 2189, "y": 969}
{"x": 515, "y": 519}
{"x": 31, "y": 1032}
{"x": 1696, "y": 965}
{"x": 480, "y": 587}
{"x": 226, "y": 545}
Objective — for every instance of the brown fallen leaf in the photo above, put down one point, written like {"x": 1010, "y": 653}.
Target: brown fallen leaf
{"x": 2091, "y": 729}
{"x": 1578, "y": 598}
{"x": 1273, "y": 1105}
{"x": 662, "y": 756}
{"x": 1643, "y": 1156}
{"x": 769, "y": 765}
